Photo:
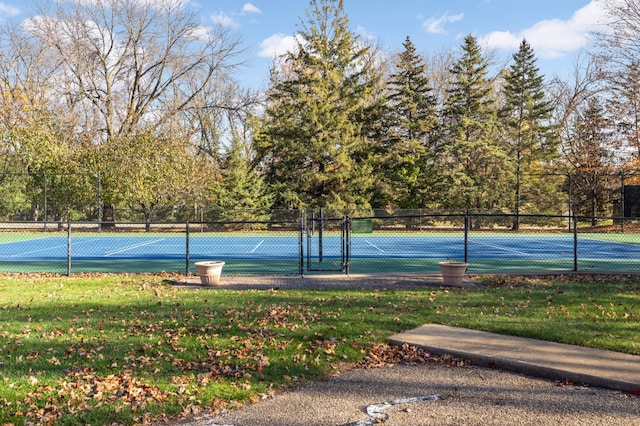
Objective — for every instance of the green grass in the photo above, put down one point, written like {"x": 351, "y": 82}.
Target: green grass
{"x": 292, "y": 266}
{"x": 238, "y": 267}
{"x": 625, "y": 238}
{"x": 127, "y": 349}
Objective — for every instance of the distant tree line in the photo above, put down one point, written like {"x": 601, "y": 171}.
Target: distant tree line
{"x": 137, "y": 102}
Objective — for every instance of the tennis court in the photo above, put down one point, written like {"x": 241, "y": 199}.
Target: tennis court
{"x": 293, "y": 253}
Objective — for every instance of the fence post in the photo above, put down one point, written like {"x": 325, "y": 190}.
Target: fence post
{"x": 186, "y": 271}
{"x": 44, "y": 175}
{"x": 68, "y": 247}
{"x": 301, "y": 244}
{"x": 320, "y": 234}
{"x": 466, "y": 236}
{"x": 575, "y": 243}
{"x": 99, "y": 203}
{"x": 346, "y": 240}
{"x": 622, "y": 201}
{"x": 569, "y": 202}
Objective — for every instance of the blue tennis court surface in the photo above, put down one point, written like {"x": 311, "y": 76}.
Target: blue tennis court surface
{"x": 153, "y": 247}
{"x": 288, "y": 247}
{"x": 493, "y": 247}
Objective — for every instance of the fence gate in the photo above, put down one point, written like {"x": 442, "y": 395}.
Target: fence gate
{"x": 328, "y": 244}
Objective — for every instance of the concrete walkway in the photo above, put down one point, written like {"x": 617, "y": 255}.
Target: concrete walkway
{"x": 323, "y": 282}
{"x": 538, "y": 358}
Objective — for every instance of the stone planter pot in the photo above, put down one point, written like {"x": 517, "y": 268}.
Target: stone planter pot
{"x": 453, "y": 272}
{"x": 210, "y": 271}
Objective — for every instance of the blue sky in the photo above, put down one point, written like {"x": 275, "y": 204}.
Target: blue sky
{"x": 558, "y": 30}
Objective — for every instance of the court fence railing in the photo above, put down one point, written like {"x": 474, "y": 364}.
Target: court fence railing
{"x": 322, "y": 241}
{"x": 87, "y": 196}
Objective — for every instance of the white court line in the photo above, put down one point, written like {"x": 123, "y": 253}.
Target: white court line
{"x": 48, "y": 248}
{"x": 500, "y": 248}
{"x": 109, "y": 253}
{"x": 374, "y": 246}
{"x": 256, "y": 247}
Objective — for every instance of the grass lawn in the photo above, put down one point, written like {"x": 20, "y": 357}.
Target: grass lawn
{"x": 134, "y": 348}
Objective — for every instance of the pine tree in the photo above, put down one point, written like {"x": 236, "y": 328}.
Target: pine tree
{"x": 410, "y": 150}
{"x": 530, "y": 138}
{"x": 243, "y": 195}
{"x": 477, "y": 162}
{"x": 311, "y": 141}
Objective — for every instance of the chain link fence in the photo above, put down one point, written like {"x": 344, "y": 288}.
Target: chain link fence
{"x": 319, "y": 241}
{"x": 82, "y": 197}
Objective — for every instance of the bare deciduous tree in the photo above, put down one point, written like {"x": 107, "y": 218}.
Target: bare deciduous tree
{"x": 618, "y": 35}
{"x": 619, "y": 52}
{"x": 570, "y": 95}
{"x": 115, "y": 72}
{"x": 129, "y": 63}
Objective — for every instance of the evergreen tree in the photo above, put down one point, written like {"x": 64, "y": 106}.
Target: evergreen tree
{"x": 410, "y": 149}
{"x": 531, "y": 140}
{"x": 311, "y": 141}
{"x": 242, "y": 188}
{"x": 478, "y": 164}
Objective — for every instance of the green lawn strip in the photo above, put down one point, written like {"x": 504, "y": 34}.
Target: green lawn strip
{"x": 127, "y": 349}
{"x": 482, "y": 266}
{"x": 232, "y": 266}
{"x": 476, "y": 265}
{"x": 53, "y": 266}
{"x": 625, "y": 238}
{"x": 12, "y": 237}
{"x": 291, "y": 266}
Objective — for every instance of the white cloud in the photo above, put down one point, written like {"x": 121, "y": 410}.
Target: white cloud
{"x": 364, "y": 34}
{"x": 276, "y": 45}
{"x": 32, "y": 25}
{"x": 200, "y": 32}
{"x": 554, "y": 38}
{"x": 8, "y": 10}
{"x": 250, "y": 8}
{"x": 437, "y": 25}
{"x": 224, "y": 20}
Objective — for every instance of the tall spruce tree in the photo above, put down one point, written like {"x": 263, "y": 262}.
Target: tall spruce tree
{"x": 531, "y": 140}
{"x": 243, "y": 194}
{"x": 410, "y": 149}
{"x": 311, "y": 141}
{"x": 478, "y": 166}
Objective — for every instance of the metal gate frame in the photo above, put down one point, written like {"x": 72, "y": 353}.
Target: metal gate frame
{"x": 317, "y": 232}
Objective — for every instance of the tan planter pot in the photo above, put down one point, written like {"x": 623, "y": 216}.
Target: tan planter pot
{"x": 453, "y": 273}
{"x": 210, "y": 271}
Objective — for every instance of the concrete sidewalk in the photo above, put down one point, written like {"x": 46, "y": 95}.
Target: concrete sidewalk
{"x": 577, "y": 364}
{"x": 322, "y": 282}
